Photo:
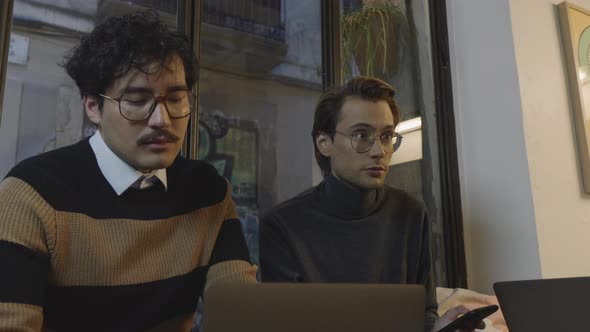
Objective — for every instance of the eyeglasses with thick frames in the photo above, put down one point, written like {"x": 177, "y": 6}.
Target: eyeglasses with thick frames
{"x": 363, "y": 140}
{"x": 139, "y": 106}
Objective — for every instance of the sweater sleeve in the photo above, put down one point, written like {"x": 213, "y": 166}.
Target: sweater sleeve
{"x": 26, "y": 238}
{"x": 230, "y": 259}
{"x": 277, "y": 260}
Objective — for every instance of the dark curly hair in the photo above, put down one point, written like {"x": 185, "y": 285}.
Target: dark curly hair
{"x": 122, "y": 43}
{"x": 328, "y": 109}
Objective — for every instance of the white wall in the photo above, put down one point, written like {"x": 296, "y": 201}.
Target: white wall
{"x": 524, "y": 212}
{"x": 562, "y": 211}
{"x": 499, "y": 218}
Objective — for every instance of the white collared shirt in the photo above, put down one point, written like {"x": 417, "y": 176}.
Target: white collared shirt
{"x": 118, "y": 173}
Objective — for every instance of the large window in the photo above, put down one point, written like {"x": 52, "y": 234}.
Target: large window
{"x": 263, "y": 65}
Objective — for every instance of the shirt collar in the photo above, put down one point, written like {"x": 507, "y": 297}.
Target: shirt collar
{"x": 117, "y": 172}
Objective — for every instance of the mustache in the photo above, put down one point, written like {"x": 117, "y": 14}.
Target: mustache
{"x": 156, "y": 136}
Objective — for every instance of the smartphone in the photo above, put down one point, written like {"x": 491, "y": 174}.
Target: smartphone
{"x": 471, "y": 319}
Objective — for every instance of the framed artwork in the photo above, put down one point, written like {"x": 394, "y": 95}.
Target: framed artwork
{"x": 575, "y": 30}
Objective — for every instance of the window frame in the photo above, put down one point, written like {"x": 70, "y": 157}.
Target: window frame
{"x": 447, "y": 147}
{"x": 6, "y": 9}
{"x": 188, "y": 21}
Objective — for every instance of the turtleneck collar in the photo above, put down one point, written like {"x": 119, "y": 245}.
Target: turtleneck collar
{"x": 345, "y": 201}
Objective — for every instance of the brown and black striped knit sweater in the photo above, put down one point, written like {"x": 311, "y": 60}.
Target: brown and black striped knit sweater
{"x": 77, "y": 257}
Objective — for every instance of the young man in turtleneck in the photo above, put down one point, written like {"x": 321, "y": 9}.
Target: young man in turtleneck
{"x": 352, "y": 227}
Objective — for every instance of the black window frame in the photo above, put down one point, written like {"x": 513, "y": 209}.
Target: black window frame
{"x": 6, "y": 8}
{"x": 447, "y": 147}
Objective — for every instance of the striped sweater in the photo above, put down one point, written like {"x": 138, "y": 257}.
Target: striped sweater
{"x": 75, "y": 256}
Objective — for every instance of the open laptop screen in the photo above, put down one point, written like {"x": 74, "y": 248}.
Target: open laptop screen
{"x": 546, "y": 305}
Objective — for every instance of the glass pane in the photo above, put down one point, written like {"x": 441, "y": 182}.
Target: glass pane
{"x": 260, "y": 79}
{"x": 390, "y": 40}
{"x": 42, "y": 108}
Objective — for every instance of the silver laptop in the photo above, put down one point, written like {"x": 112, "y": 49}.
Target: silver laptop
{"x": 290, "y": 307}
{"x": 546, "y": 305}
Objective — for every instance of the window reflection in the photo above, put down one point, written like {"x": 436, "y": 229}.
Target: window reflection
{"x": 390, "y": 39}
{"x": 260, "y": 79}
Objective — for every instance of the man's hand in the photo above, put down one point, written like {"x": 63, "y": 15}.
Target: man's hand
{"x": 452, "y": 315}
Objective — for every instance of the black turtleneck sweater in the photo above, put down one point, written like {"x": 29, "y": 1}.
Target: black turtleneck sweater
{"x": 337, "y": 233}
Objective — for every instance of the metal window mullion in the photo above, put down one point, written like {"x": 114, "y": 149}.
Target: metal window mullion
{"x": 189, "y": 22}
{"x": 447, "y": 145}
{"x": 5, "y": 25}
{"x": 331, "y": 40}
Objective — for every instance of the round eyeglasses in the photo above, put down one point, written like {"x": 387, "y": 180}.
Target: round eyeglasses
{"x": 363, "y": 140}
{"x": 139, "y": 106}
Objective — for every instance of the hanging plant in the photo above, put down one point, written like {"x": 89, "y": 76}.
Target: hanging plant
{"x": 372, "y": 38}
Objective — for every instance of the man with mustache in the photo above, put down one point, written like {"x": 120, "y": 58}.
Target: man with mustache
{"x": 118, "y": 232}
{"x": 352, "y": 228}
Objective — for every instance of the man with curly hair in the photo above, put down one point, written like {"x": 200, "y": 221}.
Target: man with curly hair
{"x": 118, "y": 232}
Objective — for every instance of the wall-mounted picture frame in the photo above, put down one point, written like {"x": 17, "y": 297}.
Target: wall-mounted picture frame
{"x": 575, "y": 30}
